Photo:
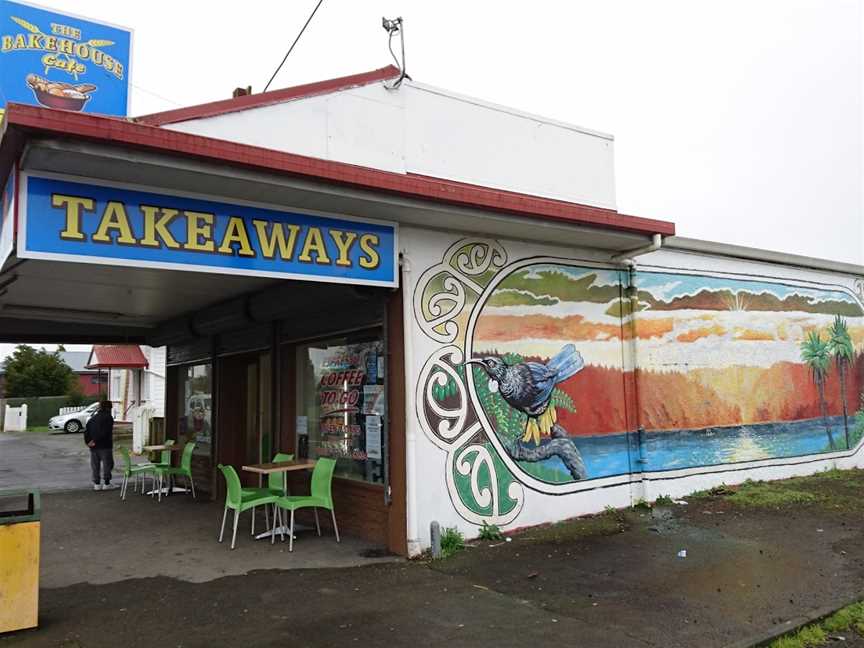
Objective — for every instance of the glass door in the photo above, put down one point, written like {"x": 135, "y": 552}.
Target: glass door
{"x": 245, "y": 412}
{"x": 252, "y": 424}
{"x": 257, "y": 435}
{"x": 265, "y": 417}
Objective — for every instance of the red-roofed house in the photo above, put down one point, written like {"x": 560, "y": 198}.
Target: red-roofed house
{"x": 136, "y": 383}
{"x": 116, "y": 356}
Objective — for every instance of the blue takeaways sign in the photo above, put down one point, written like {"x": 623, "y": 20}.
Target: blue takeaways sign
{"x": 60, "y": 61}
{"x": 71, "y": 221}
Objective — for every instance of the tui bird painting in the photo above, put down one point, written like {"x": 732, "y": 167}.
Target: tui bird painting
{"x": 528, "y": 386}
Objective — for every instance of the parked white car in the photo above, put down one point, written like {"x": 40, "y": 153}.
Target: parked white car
{"x": 75, "y": 421}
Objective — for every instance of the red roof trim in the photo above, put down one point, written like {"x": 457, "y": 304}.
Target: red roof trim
{"x": 138, "y": 136}
{"x": 222, "y": 107}
{"x": 116, "y": 356}
{"x": 649, "y": 225}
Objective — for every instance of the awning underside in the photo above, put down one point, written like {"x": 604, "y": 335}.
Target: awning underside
{"x": 54, "y": 301}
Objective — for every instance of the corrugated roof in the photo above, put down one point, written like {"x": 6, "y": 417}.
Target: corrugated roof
{"x": 122, "y": 356}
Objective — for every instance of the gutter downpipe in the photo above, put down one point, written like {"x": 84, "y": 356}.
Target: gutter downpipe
{"x": 413, "y": 540}
{"x": 628, "y": 259}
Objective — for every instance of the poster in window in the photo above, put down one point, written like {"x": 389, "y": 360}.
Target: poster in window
{"x": 373, "y": 437}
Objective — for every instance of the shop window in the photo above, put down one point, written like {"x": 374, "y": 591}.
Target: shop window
{"x": 342, "y": 404}
{"x": 195, "y": 407}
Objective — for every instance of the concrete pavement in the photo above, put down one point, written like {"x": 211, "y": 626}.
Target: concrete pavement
{"x": 50, "y": 462}
{"x": 760, "y": 559}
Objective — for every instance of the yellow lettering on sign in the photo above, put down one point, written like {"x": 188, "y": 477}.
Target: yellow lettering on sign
{"x": 276, "y": 238}
{"x": 114, "y": 219}
{"x": 8, "y": 44}
{"x": 67, "y": 65}
{"x": 235, "y": 232}
{"x": 343, "y": 241}
{"x": 156, "y": 221}
{"x": 73, "y": 205}
{"x": 368, "y": 243}
{"x": 198, "y": 225}
{"x": 66, "y": 30}
{"x": 314, "y": 243}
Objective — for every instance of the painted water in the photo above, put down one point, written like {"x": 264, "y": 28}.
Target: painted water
{"x": 618, "y": 454}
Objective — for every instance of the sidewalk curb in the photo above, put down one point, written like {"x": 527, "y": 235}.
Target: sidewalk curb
{"x": 794, "y": 624}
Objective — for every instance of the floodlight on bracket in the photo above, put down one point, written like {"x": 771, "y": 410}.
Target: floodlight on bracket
{"x": 392, "y": 27}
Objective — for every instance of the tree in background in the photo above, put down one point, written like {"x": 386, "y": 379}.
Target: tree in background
{"x": 841, "y": 347}
{"x": 36, "y": 372}
{"x": 815, "y": 354}
{"x": 75, "y": 395}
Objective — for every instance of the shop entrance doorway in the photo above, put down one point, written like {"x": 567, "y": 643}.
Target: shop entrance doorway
{"x": 245, "y": 405}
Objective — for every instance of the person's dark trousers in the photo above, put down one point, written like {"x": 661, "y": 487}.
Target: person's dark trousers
{"x": 105, "y": 457}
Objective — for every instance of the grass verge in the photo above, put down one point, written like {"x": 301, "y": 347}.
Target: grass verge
{"x": 772, "y": 495}
{"x": 836, "y": 490}
{"x": 609, "y": 522}
{"x": 848, "y": 619}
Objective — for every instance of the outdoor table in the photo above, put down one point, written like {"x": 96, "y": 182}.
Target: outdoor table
{"x": 277, "y": 467}
{"x": 165, "y": 490}
{"x": 157, "y": 448}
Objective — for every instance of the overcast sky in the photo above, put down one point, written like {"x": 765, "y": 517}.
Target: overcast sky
{"x": 739, "y": 120}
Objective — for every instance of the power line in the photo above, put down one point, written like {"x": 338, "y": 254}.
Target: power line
{"x": 288, "y": 53}
{"x": 155, "y": 94}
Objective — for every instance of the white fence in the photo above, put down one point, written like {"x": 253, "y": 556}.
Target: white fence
{"x": 15, "y": 418}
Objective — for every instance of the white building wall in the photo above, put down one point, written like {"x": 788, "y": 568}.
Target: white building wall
{"x": 152, "y": 400}
{"x": 156, "y": 374}
{"x": 427, "y": 131}
{"x": 117, "y": 382}
{"x": 698, "y": 361}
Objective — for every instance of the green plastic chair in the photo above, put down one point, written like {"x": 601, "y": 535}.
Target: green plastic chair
{"x": 134, "y": 470}
{"x": 159, "y": 472}
{"x": 238, "y": 502}
{"x": 184, "y": 470}
{"x": 165, "y": 456}
{"x": 276, "y": 482}
{"x": 276, "y": 485}
{"x": 321, "y": 497}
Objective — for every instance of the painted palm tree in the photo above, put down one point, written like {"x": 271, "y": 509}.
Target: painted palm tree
{"x": 841, "y": 347}
{"x": 815, "y": 354}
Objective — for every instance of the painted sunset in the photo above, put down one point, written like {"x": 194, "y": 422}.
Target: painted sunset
{"x": 733, "y": 369}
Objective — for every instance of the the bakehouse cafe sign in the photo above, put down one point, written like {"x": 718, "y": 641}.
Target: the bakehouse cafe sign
{"x": 62, "y": 61}
{"x": 73, "y": 221}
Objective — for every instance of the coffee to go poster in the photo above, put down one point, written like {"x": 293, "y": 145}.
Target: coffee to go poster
{"x": 62, "y": 61}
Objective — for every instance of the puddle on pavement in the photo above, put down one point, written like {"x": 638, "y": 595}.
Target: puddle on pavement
{"x": 376, "y": 553}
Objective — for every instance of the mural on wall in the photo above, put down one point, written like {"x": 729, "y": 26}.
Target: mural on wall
{"x": 746, "y": 369}
{"x": 546, "y": 367}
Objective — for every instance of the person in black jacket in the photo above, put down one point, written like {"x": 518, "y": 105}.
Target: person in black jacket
{"x": 99, "y": 437}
